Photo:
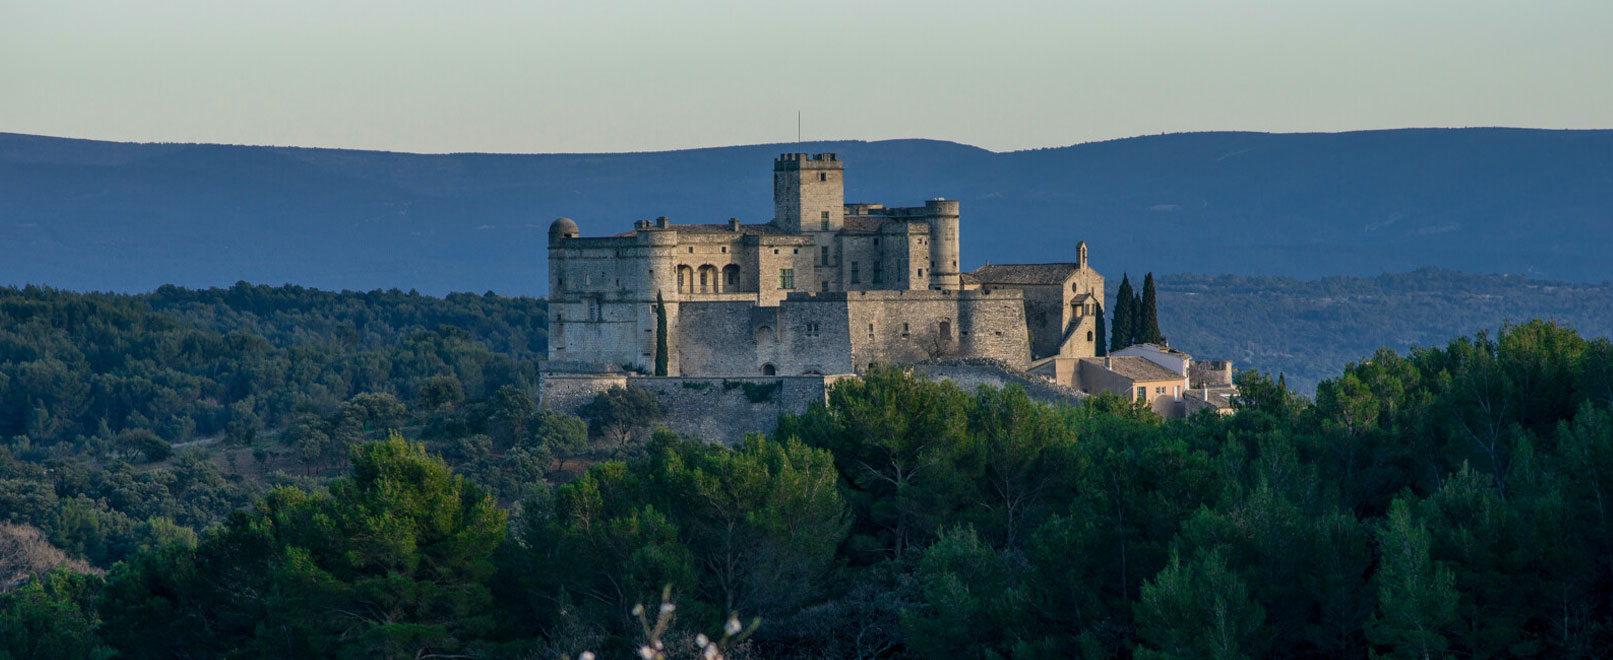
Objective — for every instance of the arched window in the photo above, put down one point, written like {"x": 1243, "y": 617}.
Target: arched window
{"x": 946, "y": 330}
{"x": 708, "y": 279}
{"x": 764, "y": 334}
{"x": 730, "y": 277}
{"x": 685, "y": 279}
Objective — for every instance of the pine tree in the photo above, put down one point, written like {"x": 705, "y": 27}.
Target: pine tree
{"x": 662, "y": 354}
{"x": 1098, "y": 347}
{"x": 1122, "y": 333}
{"x": 1148, "y": 320}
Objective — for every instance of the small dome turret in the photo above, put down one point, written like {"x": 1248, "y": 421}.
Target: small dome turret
{"x": 562, "y": 228}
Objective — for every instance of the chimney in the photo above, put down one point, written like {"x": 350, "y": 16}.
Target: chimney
{"x": 733, "y": 224}
{"x": 1106, "y": 363}
{"x": 661, "y": 222}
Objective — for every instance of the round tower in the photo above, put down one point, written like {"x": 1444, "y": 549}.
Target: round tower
{"x": 560, "y": 230}
{"x": 942, "y": 216}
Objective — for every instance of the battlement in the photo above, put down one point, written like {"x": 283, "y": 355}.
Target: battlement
{"x": 793, "y": 162}
{"x": 932, "y": 208}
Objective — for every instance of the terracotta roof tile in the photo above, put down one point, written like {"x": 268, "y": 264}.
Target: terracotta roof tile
{"x": 1025, "y": 273}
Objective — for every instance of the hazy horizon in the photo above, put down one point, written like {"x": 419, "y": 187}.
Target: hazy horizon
{"x": 430, "y": 77}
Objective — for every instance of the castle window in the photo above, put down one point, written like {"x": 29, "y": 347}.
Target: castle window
{"x": 855, "y": 279}
{"x": 731, "y": 275}
{"x": 823, "y": 176}
{"x": 1089, "y": 335}
{"x": 879, "y": 272}
{"x": 824, "y": 285}
{"x": 812, "y": 330}
{"x": 904, "y": 331}
{"x": 786, "y": 278}
{"x": 796, "y": 251}
{"x": 921, "y": 272}
{"x": 876, "y": 241}
{"x": 946, "y": 330}
{"x": 768, "y": 370}
{"x": 824, "y": 215}
{"x": 824, "y": 255}
{"x": 870, "y": 331}
{"x": 725, "y": 249}
{"x": 775, "y": 252}
{"x": 691, "y": 249}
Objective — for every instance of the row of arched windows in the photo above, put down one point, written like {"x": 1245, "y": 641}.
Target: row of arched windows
{"x": 707, "y": 279}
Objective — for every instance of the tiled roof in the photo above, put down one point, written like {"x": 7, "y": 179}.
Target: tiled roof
{"x": 1220, "y": 397}
{"x": 863, "y": 225}
{"x": 1025, "y": 273}
{"x": 1136, "y": 368}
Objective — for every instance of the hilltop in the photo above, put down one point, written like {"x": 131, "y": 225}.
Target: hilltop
{"x": 92, "y": 215}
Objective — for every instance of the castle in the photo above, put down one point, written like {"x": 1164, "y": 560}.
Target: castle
{"x": 824, "y": 287}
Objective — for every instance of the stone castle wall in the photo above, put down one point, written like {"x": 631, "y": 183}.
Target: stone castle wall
{"x": 971, "y": 374}
{"x": 845, "y": 332}
{"x": 720, "y": 410}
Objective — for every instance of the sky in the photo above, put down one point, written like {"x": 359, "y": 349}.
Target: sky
{"x": 632, "y": 75}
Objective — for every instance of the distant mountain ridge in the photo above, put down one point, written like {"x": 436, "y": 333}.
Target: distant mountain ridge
{"x": 83, "y": 214}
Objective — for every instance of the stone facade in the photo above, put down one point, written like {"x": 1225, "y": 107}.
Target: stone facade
{"x": 719, "y": 410}
{"x": 824, "y": 287}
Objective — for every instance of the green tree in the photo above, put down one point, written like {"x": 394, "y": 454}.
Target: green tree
{"x": 903, "y": 447}
{"x": 663, "y": 354}
{"x": 1199, "y": 609}
{"x": 511, "y": 415}
{"x": 1147, "y": 330}
{"x": 393, "y": 562}
{"x": 1416, "y": 596}
{"x": 968, "y": 600}
{"x": 52, "y": 618}
{"x": 621, "y": 413}
{"x": 1125, "y": 325}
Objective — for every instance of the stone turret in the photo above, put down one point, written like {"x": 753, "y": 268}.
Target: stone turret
{"x": 942, "y": 216}
{"x": 809, "y": 193}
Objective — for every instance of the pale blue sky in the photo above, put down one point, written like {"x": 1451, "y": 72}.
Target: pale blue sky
{"x": 507, "y": 76}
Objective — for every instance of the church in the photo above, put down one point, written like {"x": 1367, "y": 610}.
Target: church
{"x": 823, "y": 287}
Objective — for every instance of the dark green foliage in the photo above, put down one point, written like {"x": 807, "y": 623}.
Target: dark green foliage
{"x": 753, "y": 529}
{"x": 1442, "y": 503}
{"x": 1147, "y": 322}
{"x": 293, "y": 315}
{"x": 663, "y": 354}
{"x": 621, "y": 413}
{"x": 52, "y": 618}
{"x": 1126, "y": 316}
{"x": 393, "y": 562}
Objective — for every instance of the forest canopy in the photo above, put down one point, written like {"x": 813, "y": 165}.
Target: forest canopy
{"x": 1448, "y": 501}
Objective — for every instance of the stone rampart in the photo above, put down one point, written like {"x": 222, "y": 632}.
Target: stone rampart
{"x": 720, "y": 410}
{"x": 971, "y": 373}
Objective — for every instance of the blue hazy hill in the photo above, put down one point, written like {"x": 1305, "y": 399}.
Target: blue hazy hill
{"x": 84, "y": 214}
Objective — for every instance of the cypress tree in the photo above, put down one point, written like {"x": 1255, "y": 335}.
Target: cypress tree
{"x": 1120, "y": 335}
{"x": 1148, "y": 320}
{"x": 1098, "y": 347}
{"x": 662, "y": 354}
